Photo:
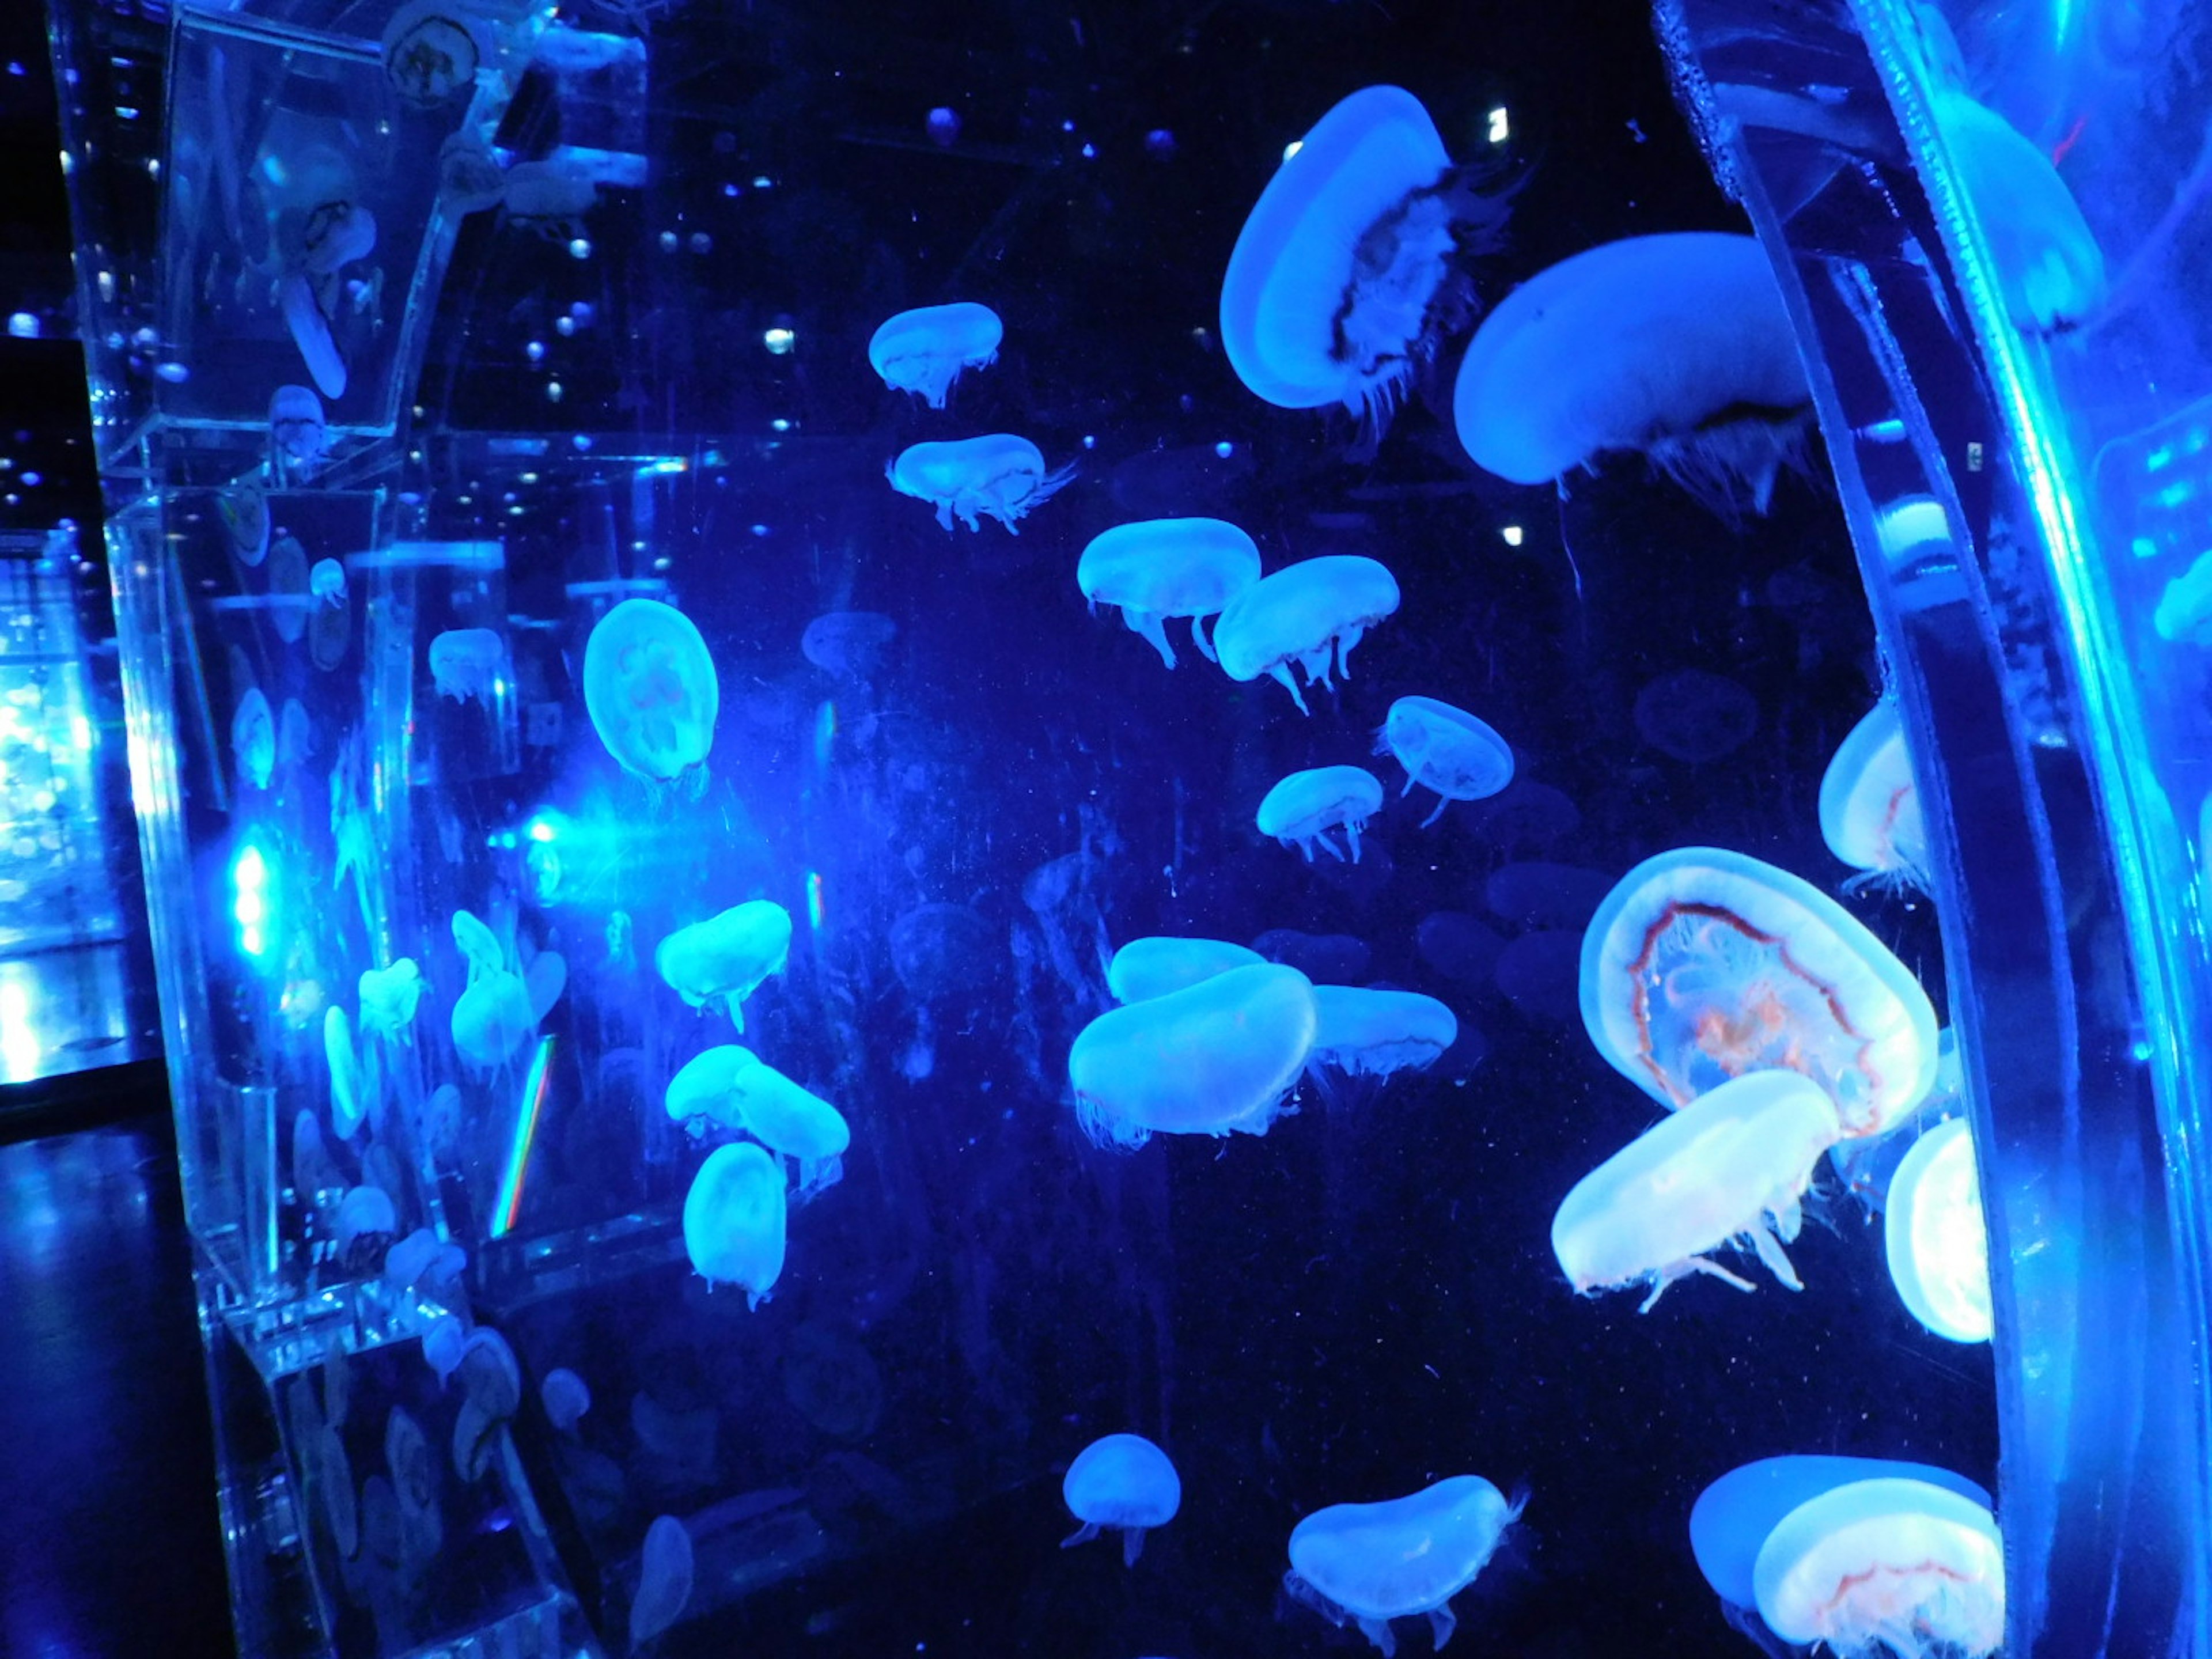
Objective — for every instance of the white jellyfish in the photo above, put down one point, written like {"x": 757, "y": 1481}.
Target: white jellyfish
{"x": 651, "y": 689}
{"x": 998, "y": 475}
{"x": 432, "y": 51}
{"x": 791, "y": 1122}
{"x": 925, "y": 350}
{"x": 1162, "y": 567}
{"x": 297, "y": 429}
{"x": 2050, "y": 271}
{"x": 1869, "y": 806}
{"x": 1124, "y": 1482}
{"x": 1302, "y": 808}
{"x": 1305, "y": 614}
{"x": 702, "y": 1092}
{"x": 468, "y": 663}
{"x": 327, "y": 582}
{"x": 733, "y": 1219}
{"x": 1445, "y": 748}
{"x": 1374, "y": 1032}
{"x": 1152, "y": 967}
{"x": 388, "y": 997}
{"x": 1371, "y": 1562}
{"x": 721, "y": 961}
{"x": 1937, "y": 1246}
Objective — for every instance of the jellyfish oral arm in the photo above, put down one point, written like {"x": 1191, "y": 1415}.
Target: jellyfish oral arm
{"x": 1675, "y": 1271}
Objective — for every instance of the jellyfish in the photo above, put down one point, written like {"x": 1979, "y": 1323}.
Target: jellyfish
{"x": 493, "y": 1019}
{"x": 566, "y": 1397}
{"x": 791, "y": 1122}
{"x": 925, "y": 350}
{"x": 1870, "y": 807}
{"x": 347, "y": 1104}
{"x": 1216, "y": 1057}
{"x": 297, "y": 428}
{"x": 327, "y": 582}
{"x": 1445, "y": 748}
{"x": 1123, "y": 1481}
{"x": 651, "y": 690}
{"x": 1302, "y": 808}
{"x": 253, "y": 738}
{"x": 1538, "y": 894}
{"x": 1703, "y": 965}
{"x": 422, "y": 1260}
{"x": 848, "y": 644}
{"x": 2050, "y": 271}
{"x": 1675, "y": 345}
{"x": 295, "y": 738}
{"x": 469, "y": 177}
{"x": 1374, "y": 1032}
{"x": 1371, "y": 1562}
{"x": 998, "y": 475}
{"x": 1154, "y": 967}
{"x": 432, "y": 51}
{"x": 1350, "y": 271}
{"x": 443, "y": 1343}
{"x": 388, "y": 996}
{"x": 1695, "y": 716}
{"x": 721, "y": 961}
{"x": 1162, "y": 567}
{"x": 733, "y": 1219}
{"x": 664, "y": 1580}
{"x": 288, "y": 599}
{"x": 1938, "y": 1248}
{"x": 1731, "y": 1164}
{"x": 468, "y": 663}
{"x": 366, "y": 1223}
{"x": 702, "y": 1090}
{"x": 1301, "y": 615}
{"x": 2184, "y": 615}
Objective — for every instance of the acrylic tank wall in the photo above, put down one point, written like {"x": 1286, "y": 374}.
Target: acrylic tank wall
{"x": 640, "y": 846}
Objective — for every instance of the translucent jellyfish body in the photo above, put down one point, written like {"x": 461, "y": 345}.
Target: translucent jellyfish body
{"x": 1870, "y": 807}
{"x": 1347, "y": 276}
{"x": 722, "y": 960}
{"x": 651, "y": 689}
{"x": 1907, "y": 1564}
{"x": 704, "y": 1088}
{"x": 327, "y": 582}
{"x": 1938, "y": 1249}
{"x": 253, "y": 738}
{"x": 998, "y": 475}
{"x": 467, "y": 664}
{"x": 565, "y": 1396}
{"x": 1302, "y": 808}
{"x": 1676, "y": 345}
{"x": 1162, "y": 567}
{"x": 925, "y": 350}
{"x": 1147, "y": 968}
{"x": 432, "y": 50}
{"x": 1123, "y": 1482}
{"x": 348, "y": 1105}
{"x": 493, "y": 1019}
{"x": 1703, "y": 964}
{"x": 1371, "y": 1562}
{"x": 296, "y": 429}
{"x": 733, "y": 1219}
{"x": 1303, "y": 615}
{"x": 2050, "y": 271}
{"x": 1445, "y": 748}
{"x": 1731, "y": 1164}
{"x": 664, "y": 1580}
{"x": 848, "y": 644}
{"x": 389, "y": 996}
{"x": 790, "y": 1120}
{"x": 1373, "y": 1033}
{"x": 1216, "y": 1057}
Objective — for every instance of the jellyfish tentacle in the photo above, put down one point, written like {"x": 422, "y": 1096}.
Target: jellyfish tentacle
{"x": 1441, "y": 1624}
{"x": 1082, "y": 1534}
{"x": 1133, "y": 1545}
{"x": 1198, "y": 638}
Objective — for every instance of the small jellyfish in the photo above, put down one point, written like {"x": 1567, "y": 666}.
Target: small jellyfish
{"x": 1147, "y": 968}
{"x": 432, "y": 51}
{"x": 849, "y": 644}
{"x": 1870, "y": 807}
{"x": 733, "y": 1219}
{"x": 998, "y": 475}
{"x": 297, "y": 428}
{"x": 925, "y": 351}
{"x": 566, "y": 1397}
{"x": 423, "y": 1261}
{"x": 664, "y": 1580}
{"x": 1732, "y": 1164}
{"x": 388, "y": 996}
{"x": 1303, "y": 614}
{"x": 1215, "y": 1058}
{"x": 1445, "y": 748}
{"x": 1676, "y": 345}
{"x": 651, "y": 689}
{"x": 1351, "y": 270}
{"x": 347, "y": 1105}
{"x": 468, "y": 663}
{"x": 1371, "y": 1562}
{"x": 1162, "y": 567}
{"x": 327, "y": 582}
{"x": 1938, "y": 1248}
{"x": 789, "y": 1121}
{"x": 443, "y": 1344}
{"x": 1703, "y": 964}
{"x": 1302, "y": 808}
{"x": 1125, "y": 1482}
{"x": 1373, "y": 1033}
{"x": 2050, "y": 271}
{"x": 1695, "y": 716}
{"x": 253, "y": 738}
{"x": 493, "y": 1019}
{"x": 722, "y": 961}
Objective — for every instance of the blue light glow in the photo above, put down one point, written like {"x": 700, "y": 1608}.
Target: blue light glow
{"x": 814, "y": 907}
{"x": 252, "y": 902}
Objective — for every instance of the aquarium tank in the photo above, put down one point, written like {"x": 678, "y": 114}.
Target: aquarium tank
{"x": 1175, "y": 829}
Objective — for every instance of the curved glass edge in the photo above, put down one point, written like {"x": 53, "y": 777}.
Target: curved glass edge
{"x": 2081, "y": 998}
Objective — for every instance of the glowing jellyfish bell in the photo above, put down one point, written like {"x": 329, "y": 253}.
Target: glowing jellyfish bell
{"x": 704, "y": 1087}
{"x": 467, "y": 664}
{"x": 1374, "y": 1032}
{"x": 1302, "y": 808}
{"x": 722, "y": 961}
{"x": 1676, "y": 345}
{"x": 1445, "y": 748}
{"x": 789, "y": 1121}
{"x": 1147, "y": 968}
{"x": 1349, "y": 271}
{"x": 1216, "y": 1057}
{"x": 1162, "y": 567}
{"x": 1371, "y": 1562}
{"x": 1702, "y": 965}
{"x": 650, "y": 688}
{"x": 1122, "y": 1482}
{"x": 1869, "y": 806}
{"x": 1304, "y": 615}
{"x": 924, "y": 351}
{"x": 998, "y": 475}
{"x": 1732, "y": 1164}
{"x": 1938, "y": 1248}
{"x": 2050, "y": 271}
{"x": 733, "y": 1219}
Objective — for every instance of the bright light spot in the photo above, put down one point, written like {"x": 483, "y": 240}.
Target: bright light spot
{"x": 1500, "y": 131}
{"x": 22, "y": 325}
{"x": 779, "y": 424}
{"x": 814, "y": 898}
{"x": 540, "y": 830}
{"x": 1224, "y": 449}
{"x": 764, "y": 182}
{"x": 535, "y": 351}
{"x": 19, "y": 1043}
{"x": 780, "y": 341}
{"x": 580, "y": 248}
{"x": 1293, "y": 148}
{"x": 1512, "y": 534}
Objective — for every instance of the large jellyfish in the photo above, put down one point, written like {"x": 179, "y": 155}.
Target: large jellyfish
{"x": 1731, "y": 1164}
{"x": 493, "y": 1019}
{"x": 664, "y": 1580}
{"x": 733, "y": 1219}
{"x": 1161, "y": 568}
{"x": 1676, "y": 345}
{"x": 998, "y": 475}
{"x": 1215, "y": 1058}
{"x": 1870, "y": 807}
{"x": 1125, "y": 1482}
{"x": 789, "y": 1121}
{"x": 1371, "y": 1562}
{"x": 1302, "y": 808}
{"x": 1906, "y": 1565}
{"x": 722, "y": 960}
{"x": 704, "y": 1087}
{"x": 2050, "y": 271}
{"x": 1300, "y": 614}
{"x": 1374, "y": 1032}
{"x": 1703, "y": 964}
{"x": 1938, "y": 1250}
{"x": 1350, "y": 271}
{"x": 925, "y": 350}
{"x": 1445, "y": 748}
{"x": 650, "y": 689}
{"x": 1147, "y": 968}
